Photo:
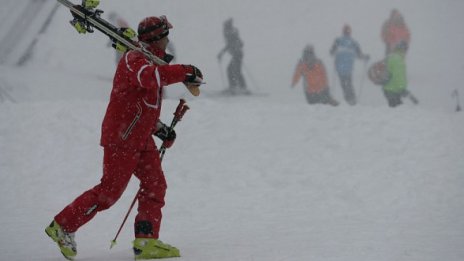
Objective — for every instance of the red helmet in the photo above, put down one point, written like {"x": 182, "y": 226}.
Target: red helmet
{"x": 153, "y": 28}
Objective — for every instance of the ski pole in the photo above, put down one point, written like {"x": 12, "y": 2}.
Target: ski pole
{"x": 178, "y": 114}
{"x": 252, "y": 79}
{"x": 411, "y": 97}
{"x": 458, "y": 107}
{"x": 334, "y": 80}
{"x": 222, "y": 75}
{"x": 113, "y": 242}
{"x": 364, "y": 73}
{"x": 458, "y": 104}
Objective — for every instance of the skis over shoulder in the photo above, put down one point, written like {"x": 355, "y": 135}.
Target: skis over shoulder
{"x": 87, "y": 18}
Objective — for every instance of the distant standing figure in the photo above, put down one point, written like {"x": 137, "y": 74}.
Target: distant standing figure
{"x": 346, "y": 49}
{"x": 395, "y": 88}
{"x": 315, "y": 83}
{"x": 234, "y": 46}
{"x": 394, "y": 31}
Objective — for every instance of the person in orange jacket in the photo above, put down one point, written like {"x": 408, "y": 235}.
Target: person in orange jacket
{"x": 315, "y": 83}
{"x": 131, "y": 118}
{"x": 395, "y": 31}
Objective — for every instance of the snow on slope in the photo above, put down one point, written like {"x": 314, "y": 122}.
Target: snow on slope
{"x": 344, "y": 184}
{"x": 252, "y": 178}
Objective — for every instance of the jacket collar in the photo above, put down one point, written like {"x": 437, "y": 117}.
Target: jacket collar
{"x": 160, "y": 53}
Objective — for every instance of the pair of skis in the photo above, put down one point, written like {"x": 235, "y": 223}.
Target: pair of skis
{"x": 89, "y": 18}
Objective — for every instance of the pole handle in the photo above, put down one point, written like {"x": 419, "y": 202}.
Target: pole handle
{"x": 181, "y": 109}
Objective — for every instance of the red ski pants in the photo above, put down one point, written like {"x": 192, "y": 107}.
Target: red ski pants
{"x": 118, "y": 166}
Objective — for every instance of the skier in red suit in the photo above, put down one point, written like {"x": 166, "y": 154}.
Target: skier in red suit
{"x": 132, "y": 117}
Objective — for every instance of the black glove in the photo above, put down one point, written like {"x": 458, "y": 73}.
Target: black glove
{"x": 166, "y": 134}
{"x": 193, "y": 75}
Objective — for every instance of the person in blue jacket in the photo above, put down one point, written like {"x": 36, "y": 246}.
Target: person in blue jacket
{"x": 346, "y": 50}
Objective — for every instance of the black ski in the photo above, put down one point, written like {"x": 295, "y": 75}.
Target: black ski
{"x": 411, "y": 97}
{"x": 90, "y": 18}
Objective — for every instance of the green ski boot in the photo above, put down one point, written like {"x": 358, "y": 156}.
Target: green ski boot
{"x": 64, "y": 240}
{"x": 150, "y": 248}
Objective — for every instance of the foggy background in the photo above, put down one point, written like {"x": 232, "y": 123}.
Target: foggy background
{"x": 274, "y": 33}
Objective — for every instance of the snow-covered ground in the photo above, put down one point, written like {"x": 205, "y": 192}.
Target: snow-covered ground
{"x": 250, "y": 178}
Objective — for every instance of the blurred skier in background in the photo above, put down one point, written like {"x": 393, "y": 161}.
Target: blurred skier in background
{"x": 346, "y": 49}
{"x": 394, "y": 31}
{"x": 131, "y": 118}
{"x": 234, "y": 46}
{"x": 396, "y": 86}
{"x": 314, "y": 75}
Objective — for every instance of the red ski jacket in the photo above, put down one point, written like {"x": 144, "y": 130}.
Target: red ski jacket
{"x": 135, "y": 102}
{"x": 394, "y": 32}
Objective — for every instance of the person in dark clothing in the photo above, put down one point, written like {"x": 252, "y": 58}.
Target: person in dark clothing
{"x": 314, "y": 75}
{"x": 234, "y": 46}
{"x": 346, "y": 49}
